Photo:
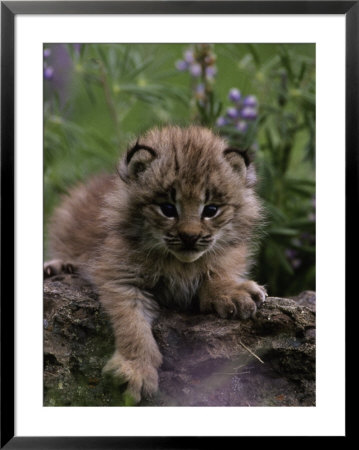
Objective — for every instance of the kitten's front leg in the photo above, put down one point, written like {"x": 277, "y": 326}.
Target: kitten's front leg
{"x": 231, "y": 299}
{"x": 137, "y": 357}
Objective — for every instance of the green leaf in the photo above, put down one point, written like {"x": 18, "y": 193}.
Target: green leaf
{"x": 282, "y": 232}
{"x": 253, "y": 50}
{"x": 280, "y": 257}
{"x": 302, "y": 191}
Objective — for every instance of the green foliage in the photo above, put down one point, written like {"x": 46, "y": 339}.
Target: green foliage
{"x": 100, "y": 96}
{"x": 286, "y": 137}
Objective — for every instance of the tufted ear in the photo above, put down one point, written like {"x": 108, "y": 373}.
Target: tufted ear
{"x": 238, "y": 159}
{"x": 241, "y": 163}
{"x": 137, "y": 160}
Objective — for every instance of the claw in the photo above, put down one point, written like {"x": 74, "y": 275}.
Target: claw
{"x": 56, "y": 267}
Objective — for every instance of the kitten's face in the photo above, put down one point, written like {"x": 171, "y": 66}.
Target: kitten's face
{"x": 190, "y": 192}
{"x": 187, "y": 226}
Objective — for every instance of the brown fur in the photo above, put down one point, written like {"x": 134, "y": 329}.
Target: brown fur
{"x": 113, "y": 232}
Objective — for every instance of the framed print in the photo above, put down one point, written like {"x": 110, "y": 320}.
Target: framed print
{"x": 224, "y": 228}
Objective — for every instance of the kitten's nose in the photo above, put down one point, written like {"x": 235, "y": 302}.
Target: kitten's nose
{"x": 188, "y": 239}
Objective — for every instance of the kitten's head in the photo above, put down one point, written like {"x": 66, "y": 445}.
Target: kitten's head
{"x": 189, "y": 193}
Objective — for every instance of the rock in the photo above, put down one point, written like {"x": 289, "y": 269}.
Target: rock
{"x": 208, "y": 361}
{"x": 306, "y": 298}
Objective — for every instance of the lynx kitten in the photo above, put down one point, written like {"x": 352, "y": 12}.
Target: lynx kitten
{"x": 174, "y": 226}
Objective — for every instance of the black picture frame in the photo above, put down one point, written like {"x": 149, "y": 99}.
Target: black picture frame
{"x": 9, "y": 10}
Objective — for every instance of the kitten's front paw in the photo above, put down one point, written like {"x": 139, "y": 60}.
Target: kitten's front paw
{"x": 240, "y": 301}
{"x": 141, "y": 376}
{"x": 57, "y": 266}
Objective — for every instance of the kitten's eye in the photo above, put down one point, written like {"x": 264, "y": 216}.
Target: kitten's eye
{"x": 209, "y": 211}
{"x": 168, "y": 210}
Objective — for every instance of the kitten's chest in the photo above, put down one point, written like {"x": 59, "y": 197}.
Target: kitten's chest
{"x": 177, "y": 291}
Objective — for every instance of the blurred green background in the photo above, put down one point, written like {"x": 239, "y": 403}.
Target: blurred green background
{"x": 97, "y": 97}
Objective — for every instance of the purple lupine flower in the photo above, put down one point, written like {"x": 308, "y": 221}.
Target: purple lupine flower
{"x": 296, "y": 262}
{"x": 189, "y": 56}
{"x": 211, "y": 72}
{"x": 233, "y": 113}
{"x": 200, "y": 89}
{"x": 221, "y": 121}
{"x": 312, "y": 215}
{"x": 210, "y": 59}
{"x": 305, "y": 236}
{"x": 181, "y": 65}
{"x": 251, "y": 101}
{"x": 249, "y": 113}
{"x": 48, "y": 73}
{"x": 195, "y": 70}
{"x": 58, "y": 72}
{"x": 290, "y": 253}
{"x": 293, "y": 258}
{"x": 47, "y": 52}
{"x": 234, "y": 95}
{"x": 242, "y": 126}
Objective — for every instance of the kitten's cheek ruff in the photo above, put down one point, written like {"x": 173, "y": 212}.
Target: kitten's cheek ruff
{"x": 187, "y": 257}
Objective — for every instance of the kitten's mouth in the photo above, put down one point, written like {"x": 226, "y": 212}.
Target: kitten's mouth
{"x": 186, "y": 255}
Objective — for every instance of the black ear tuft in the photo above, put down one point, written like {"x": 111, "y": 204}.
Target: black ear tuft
{"x": 136, "y": 148}
{"x": 137, "y": 160}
